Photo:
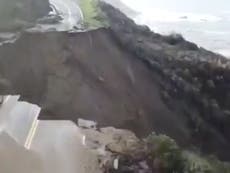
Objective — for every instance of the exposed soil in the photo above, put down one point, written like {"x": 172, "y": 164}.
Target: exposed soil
{"x": 124, "y": 76}
{"x": 195, "y": 83}
{"x": 87, "y": 75}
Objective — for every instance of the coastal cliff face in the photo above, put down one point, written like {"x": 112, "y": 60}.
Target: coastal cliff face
{"x": 194, "y": 83}
{"x": 15, "y": 14}
{"x": 124, "y": 76}
{"x": 122, "y": 7}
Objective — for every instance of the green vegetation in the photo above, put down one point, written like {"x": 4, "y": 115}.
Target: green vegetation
{"x": 197, "y": 164}
{"x": 176, "y": 160}
{"x": 93, "y": 16}
{"x": 166, "y": 150}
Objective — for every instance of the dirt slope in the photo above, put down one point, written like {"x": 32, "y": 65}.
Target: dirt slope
{"x": 195, "y": 83}
{"x": 124, "y": 76}
{"x": 87, "y": 75}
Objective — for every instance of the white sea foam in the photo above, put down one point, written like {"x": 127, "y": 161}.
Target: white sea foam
{"x": 160, "y": 15}
{"x": 216, "y": 32}
{"x": 203, "y": 25}
{"x": 225, "y": 52}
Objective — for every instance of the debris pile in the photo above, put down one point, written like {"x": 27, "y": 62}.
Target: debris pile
{"x": 120, "y": 151}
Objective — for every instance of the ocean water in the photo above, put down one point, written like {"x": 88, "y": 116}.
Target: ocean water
{"x": 206, "y": 22}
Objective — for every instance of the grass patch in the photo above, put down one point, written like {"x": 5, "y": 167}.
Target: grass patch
{"x": 167, "y": 151}
{"x": 93, "y": 16}
{"x": 176, "y": 160}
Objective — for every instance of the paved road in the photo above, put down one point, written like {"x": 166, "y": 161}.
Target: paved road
{"x": 14, "y": 158}
{"x": 16, "y": 118}
{"x": 15, "y": 122}
{"x": 70, "y": 12}
{"x": 37, "y": 146}
{"x": 60, "y": 145}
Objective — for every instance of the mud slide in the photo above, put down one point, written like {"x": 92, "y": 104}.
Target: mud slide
{"x": 123, "y": 76}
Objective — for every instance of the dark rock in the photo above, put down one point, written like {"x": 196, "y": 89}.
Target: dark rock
{"x": 190, "y": 75}
{"x": 87, "y": 75}
{"x": 174, "y": 39}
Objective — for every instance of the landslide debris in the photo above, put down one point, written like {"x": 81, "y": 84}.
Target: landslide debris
{"x": 120, "y": 151}
{"x": 124, "y": 76}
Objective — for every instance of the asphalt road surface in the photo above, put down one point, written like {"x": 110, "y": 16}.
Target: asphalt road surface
{"x": 16, "y": 118}
{"x": 70, "y": 13}
{"x": 41, "y": 146}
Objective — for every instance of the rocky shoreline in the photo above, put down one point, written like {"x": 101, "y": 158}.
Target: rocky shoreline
{"x": 124, "y": 76}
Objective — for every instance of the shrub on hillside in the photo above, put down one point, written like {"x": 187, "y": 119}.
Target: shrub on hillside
{"x": 166, "y": 150}
{"x": 175, "y": 160}
{"x": 174, "y": 38}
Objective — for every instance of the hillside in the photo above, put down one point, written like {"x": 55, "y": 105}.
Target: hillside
{"x": 122, "y": 7}
{"x": 124, "y": 76}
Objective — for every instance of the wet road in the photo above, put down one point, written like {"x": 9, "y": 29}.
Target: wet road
{"x": 71, "y": 18}
{"x": 70, "y": 13}
{"x": 16, "y": 118}
{"x": 60, "y": 145}
{"x": 41, "y": 146}
{"x": 14, "y": 158}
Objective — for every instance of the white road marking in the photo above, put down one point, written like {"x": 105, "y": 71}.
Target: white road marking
{"x": 83, "y": 140}
{"x": 31, "y": 135}
{"x": 69, "y": 12}
{"x": 6, "y": 99}
{"x": 71, "y": 18}
{"x": 80, "y": 11}
{"x": 32, "y": 131}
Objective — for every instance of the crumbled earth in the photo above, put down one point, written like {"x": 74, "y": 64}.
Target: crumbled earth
{"x": 87, "y": 75}
{"x": 120, "y": 151}
{"x": 116, "y": 145}
{"x": 124, "y": 76}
